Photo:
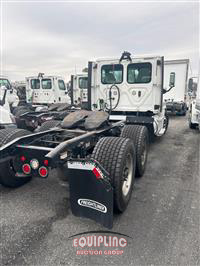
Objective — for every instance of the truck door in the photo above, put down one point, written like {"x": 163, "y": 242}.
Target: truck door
{"x": 32, "y": 90}
{"x": 62, "y": 92}
{"x": 47, "y": 91}
{"x": 83, "y": 84}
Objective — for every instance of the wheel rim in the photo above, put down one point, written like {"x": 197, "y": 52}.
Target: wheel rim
{"x": 127, "y": 175}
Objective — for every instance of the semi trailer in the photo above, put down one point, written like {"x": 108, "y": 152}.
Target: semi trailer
{"x": 177, "y": 99}
{"x": 98, "y": 151}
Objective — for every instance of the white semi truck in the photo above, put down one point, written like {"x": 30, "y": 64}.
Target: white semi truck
{"x": 131, "y": 88}
{"x": 107, "y": 145}
{"x": 177, "y": 98}
{"x": 194, "y": 108}
{"x": 11, "y": 94}
{"x": 42, "y": 91}
{"x": 78, "y": 89}
{"x": 45, "y": 90}
{"x": 7, "y": 120}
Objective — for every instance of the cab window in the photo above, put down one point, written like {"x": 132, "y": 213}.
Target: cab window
{"x": 112, "y": 74}
{"x": 139, "y": 73}
{"x": 35, "y": 84}
{"x": 83, "y": 83}
{"x": 61, "y": 85}
{"x": 46, "y": 84}
{"x": 5, "y": 82}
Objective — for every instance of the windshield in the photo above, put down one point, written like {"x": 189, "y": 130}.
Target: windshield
{"x": 46, "y": 84}
{"x": 112, "y": 74}
{"x": 139, "y": 73}
{"x": 83, "y": 83}
{"x": 35, "y": 84}
{"x": 5, "y": 82}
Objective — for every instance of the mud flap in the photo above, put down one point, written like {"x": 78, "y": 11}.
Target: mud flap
{"x": 91, "y": 193}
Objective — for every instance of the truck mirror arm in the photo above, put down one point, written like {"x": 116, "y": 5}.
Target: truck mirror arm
{"x": 165, "y": 91}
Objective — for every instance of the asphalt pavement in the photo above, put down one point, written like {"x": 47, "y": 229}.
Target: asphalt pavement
{"x": 162, "y": 218}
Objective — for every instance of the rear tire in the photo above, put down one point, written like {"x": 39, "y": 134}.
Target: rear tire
{"x": 139, "y": 135}
{"x": 117, "y": 156}
{"x": 48, "y": 125}
{"x": 8, "y": 176}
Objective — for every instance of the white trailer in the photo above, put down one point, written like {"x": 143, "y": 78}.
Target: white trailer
{"x": 176, "y": 99}
{"x": 78, "y": 90}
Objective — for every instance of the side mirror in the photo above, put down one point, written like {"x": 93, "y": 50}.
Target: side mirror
{"x": 190, "y": 84}
{"x": 172, "y": 79}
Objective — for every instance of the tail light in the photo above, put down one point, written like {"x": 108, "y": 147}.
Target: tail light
{"x": 97, "y": 173}
{"x": 22, "y": 158}
{"x": 26, "y": 168}
{"x": 43, "y": 172}
{"x": 46, "y": 162}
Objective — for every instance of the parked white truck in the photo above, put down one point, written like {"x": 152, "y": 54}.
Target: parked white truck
{"x": 78, "y": 90}
{"x": 42, "y": 91}
{"x": 131, "y": 88}
{"x": 11, "y": 94}
{"x": 45, "y": 90}
{"x": 6, "y": 118}
{"x": 194, "y": 108}
{"x": 177, "y": 98}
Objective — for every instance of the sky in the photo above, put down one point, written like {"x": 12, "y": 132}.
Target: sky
{"x": 60, "y": 38}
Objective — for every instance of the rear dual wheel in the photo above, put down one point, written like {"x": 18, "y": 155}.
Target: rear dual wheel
{"x": 139, "y": 135}
{"x": 117, "y": 156}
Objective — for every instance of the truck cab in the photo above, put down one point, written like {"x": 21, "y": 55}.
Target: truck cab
{"x": 79, "y": 85}
{"x": 6, "y": 117}
{"x": 131, "y": 88}
{"x": 44, "y": 90}
{"x": 12, "y": 98}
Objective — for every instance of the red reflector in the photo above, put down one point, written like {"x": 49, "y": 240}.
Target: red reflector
{"x": 46, "y": 162}
{"x": 43, "y": 171}
{"x": 22, "y": 158}
{"x": 26, "y": 168}
{"x": 96, "y": 172}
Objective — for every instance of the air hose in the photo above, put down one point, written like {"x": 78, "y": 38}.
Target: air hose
{"x": 110, "y": 97}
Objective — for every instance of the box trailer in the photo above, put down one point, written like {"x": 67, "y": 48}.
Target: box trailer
{"x": 176, "y": 99}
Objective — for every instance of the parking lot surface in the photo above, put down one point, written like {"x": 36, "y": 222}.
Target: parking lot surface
{"x": 162, "y": 218}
